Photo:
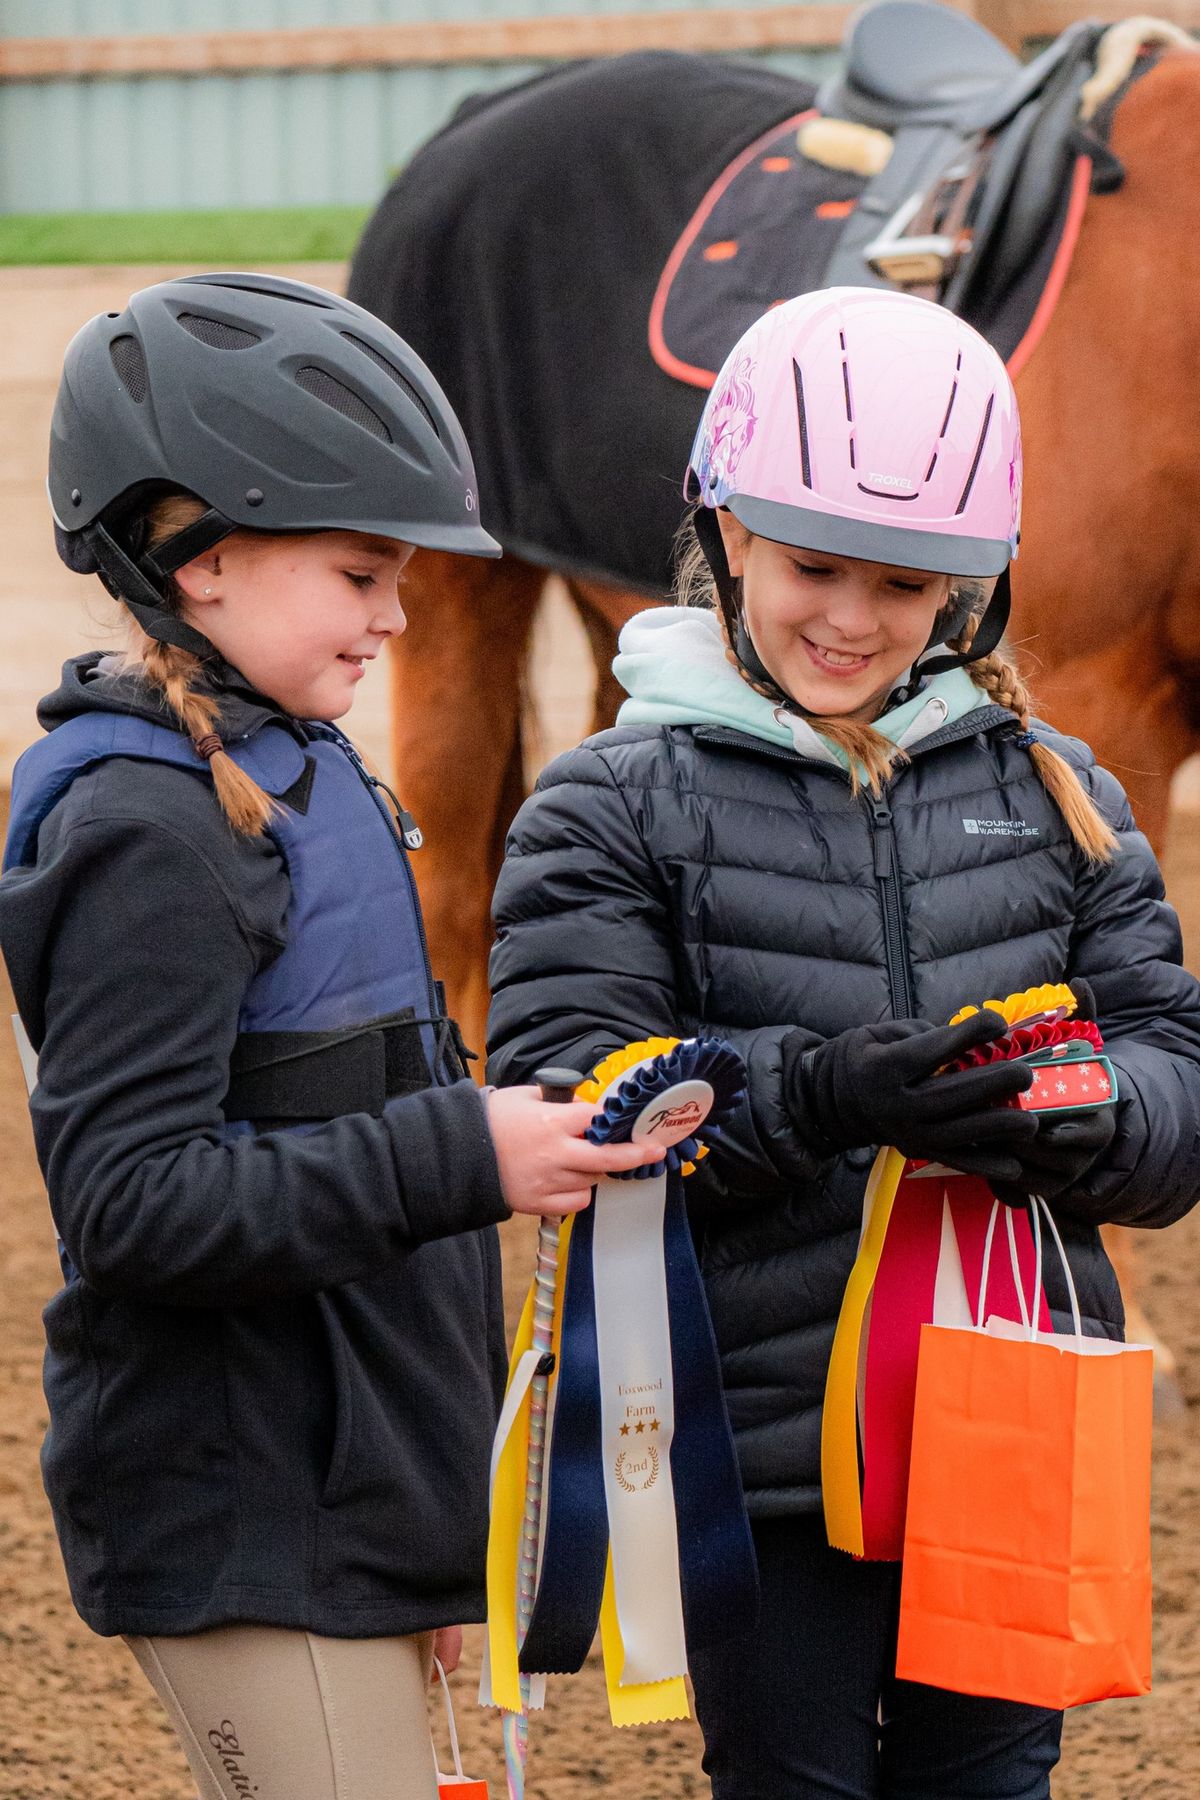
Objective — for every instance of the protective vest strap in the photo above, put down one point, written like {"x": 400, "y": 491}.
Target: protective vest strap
{"x": 315, "y": 1075}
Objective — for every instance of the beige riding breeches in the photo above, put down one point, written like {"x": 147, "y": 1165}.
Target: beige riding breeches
{"x": 267, "y": 1714}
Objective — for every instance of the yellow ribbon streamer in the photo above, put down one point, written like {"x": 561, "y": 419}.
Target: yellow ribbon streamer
{"x": 642, "y": 1702}
{"x": 840, "y": 1483}
{"x": 508, "y": 1503}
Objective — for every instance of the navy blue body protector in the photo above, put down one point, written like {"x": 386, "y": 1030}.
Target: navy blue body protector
{"x": 348, "y": 1014}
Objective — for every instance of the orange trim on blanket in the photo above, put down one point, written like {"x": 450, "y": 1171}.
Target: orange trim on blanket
{"x": 670, "y": 364}
{"x": 1081, "y": 186}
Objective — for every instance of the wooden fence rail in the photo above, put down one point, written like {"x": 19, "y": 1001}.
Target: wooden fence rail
{"x": 552, "y": 38}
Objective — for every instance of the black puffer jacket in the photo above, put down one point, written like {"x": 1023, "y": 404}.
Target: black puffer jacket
{"x": 676, "y": 879}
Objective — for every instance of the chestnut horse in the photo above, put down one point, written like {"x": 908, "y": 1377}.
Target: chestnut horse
{"x": 1107, "y": 588}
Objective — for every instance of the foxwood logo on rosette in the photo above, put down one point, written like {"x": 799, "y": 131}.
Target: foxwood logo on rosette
{"x": 644, "y": 1527}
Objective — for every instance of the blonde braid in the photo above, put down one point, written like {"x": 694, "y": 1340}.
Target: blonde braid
{"x": 176, "y": 672}
{"x": 1001, "y": 682}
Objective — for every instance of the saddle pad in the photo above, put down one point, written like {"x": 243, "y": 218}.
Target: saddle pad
{"x": 765, "y": 231}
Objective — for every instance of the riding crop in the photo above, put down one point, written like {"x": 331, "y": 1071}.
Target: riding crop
{"x": 558, "y": 1088}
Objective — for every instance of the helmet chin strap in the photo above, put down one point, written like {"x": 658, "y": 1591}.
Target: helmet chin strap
{"x": 138, "y": 580}
{"x": 989, "y": 632}
{"x": 708, "y": 532}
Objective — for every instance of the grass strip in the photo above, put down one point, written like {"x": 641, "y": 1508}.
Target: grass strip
{"x": 230, "y": 238}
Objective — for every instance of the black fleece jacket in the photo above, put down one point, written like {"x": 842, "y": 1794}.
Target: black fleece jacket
{"x": 274, "y": 1368}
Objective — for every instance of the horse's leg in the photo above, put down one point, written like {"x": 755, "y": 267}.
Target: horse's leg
{"x": 603, "y": 611}
{"x": 456, "y": 689}
{"x": 1134, "y": 712}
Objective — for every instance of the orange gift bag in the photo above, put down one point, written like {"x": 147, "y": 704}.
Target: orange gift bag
{"x": 1027, "y": 1539}
{"x": 457, "y": 1786}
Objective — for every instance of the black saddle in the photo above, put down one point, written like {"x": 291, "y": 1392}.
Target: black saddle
{"x": 949, "y": 92}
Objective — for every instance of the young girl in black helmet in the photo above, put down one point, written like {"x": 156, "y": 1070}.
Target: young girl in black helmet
{"x": 826, "y": 822}
{"x": 273, "y": 1366}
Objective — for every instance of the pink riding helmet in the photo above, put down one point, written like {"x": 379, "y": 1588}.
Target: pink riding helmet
{"x": 866, "y": 423}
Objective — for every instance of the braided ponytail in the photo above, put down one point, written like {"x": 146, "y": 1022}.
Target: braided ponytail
{"x": 176, "y": 673}
{"x": 1003, "y": 685}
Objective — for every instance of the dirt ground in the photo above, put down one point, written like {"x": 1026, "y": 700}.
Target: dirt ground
{"x": 77, "y": 1719}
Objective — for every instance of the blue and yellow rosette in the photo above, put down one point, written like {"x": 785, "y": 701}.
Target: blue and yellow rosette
{"x": 920, "y": 1260}
{"x": 643, "y": 1529}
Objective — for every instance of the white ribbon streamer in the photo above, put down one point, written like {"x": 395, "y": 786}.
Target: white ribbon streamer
{"x": 637, "y": 1394}
{"x": 518, "y": 1387}
{"x": 637, "y": 1417}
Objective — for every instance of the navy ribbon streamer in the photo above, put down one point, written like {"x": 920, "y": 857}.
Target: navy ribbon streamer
{"x": 571, "y": 1587}
{"x": 718, "y": 1569}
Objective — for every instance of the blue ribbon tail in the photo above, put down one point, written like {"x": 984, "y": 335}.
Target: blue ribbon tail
{"x": 575, "y": 1556}
{"x": 717, "y": 1565}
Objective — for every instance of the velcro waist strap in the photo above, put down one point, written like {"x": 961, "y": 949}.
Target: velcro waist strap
{"x": 312, "y": 1075}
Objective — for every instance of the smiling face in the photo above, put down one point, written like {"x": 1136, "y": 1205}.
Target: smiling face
{"x": 298, "y": 616}
{"x": 836, "y": 633}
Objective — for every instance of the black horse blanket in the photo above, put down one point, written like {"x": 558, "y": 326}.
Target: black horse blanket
{"x": 519, "y": 253}
{"x": 574, "y": 257}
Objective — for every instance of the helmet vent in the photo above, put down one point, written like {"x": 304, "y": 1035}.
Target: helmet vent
{"x": 402, "y": 381}
{"x": 216, "y": 334}
{"x": 130, "y": 364}
{"x": 983, "y": 431}
{"x": 802, "y": 417}
{"x": 324, "y": 387}
{"x": 949, "y": 408}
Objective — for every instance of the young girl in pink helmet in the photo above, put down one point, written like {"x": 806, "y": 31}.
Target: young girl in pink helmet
{"x": 825, "y": 820}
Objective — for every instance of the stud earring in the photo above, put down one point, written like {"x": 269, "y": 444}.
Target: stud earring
{"x": 207, "y": 591}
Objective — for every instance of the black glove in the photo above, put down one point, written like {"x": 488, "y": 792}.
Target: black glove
{"x": 1059, "y": 1156}
{"x": 878, "y": 1084}
{"x": 1085, "y": 998}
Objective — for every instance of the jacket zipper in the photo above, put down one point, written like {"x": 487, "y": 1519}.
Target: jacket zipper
{"x": 895, "y": 932}
{"x": 887, "y": 865}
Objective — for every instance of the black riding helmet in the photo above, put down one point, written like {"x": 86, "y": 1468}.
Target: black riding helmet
{"x": 282, "y": 406}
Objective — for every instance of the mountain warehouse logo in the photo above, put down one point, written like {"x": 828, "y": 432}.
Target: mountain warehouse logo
{"x": 1000, "y": 828}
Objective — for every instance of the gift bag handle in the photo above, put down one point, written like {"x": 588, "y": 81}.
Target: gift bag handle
{"x": 454, "y": 1750}
{"x": 1029, "y": 1314}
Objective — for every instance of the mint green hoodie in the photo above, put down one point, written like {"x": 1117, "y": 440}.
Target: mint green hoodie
{"x": 671, "y": 662}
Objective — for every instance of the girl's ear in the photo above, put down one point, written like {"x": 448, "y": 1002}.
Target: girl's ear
{"x": 966, "y": 600}
{"x": 197, "y": 580}
{"x": 735, "y": 537}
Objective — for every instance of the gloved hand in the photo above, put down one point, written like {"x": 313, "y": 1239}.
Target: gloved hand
{"x": 878, "y": 1084}
{"x": 1060, "y": 1155}
{"x": 1085, "y": 998}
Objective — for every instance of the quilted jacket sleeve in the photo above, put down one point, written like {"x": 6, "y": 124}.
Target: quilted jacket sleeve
{"x": 583, "y": 965}
{"x": 1127, "y": 944}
